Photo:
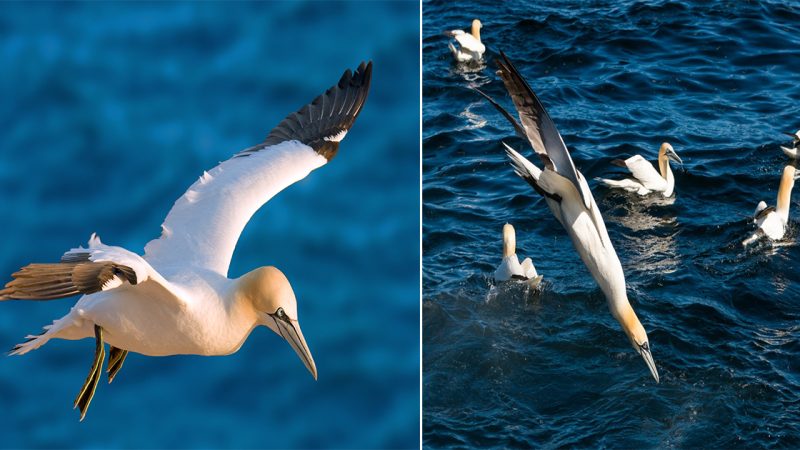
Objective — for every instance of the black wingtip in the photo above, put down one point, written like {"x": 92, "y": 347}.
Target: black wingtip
{"x": 323, "y": 123}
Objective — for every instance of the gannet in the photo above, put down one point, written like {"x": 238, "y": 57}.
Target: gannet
{"x": 568, "y": 195}
{"x": 772, "y": 221}
{"x": 645, "y": 177}
{"x": 177, "y": 298}
{"x": 795, "y": 150}
{"x": 510, "y": 268}
{"x": 470, "y": 46}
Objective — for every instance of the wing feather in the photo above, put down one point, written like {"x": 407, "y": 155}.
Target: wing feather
{"x": 643, "y": 171}
{"x": 539, "y": 128}
{"x": 203, "y": 226}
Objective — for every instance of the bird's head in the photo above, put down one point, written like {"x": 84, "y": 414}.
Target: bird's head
{"x": 638, "y": 337}
{"x": 476, "y": 28}
{"x": 477, "y": 24}
{"x": 273, "y": 299}
{"x": 667, "y": 150}
{"x": 509, "y": 240}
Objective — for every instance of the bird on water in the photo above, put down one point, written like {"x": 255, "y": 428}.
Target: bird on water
{"x": 568, "y": 195}
{"x": 645, "y": 177}
{"x": 470, "y": 48}
{"x": 772, "y": 220}
{"x": 177, "y": 297}
{"x": 510, "y": 267}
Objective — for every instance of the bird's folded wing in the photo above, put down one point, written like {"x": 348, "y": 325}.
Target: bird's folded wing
{"x": 644, "y": 171}
{"x": 81, "y": 271}
{"x": 468, "y": 42}
{"x": 539, "y": 128}
{"x": 203, "y": 226}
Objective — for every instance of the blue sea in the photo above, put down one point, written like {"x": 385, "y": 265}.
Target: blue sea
{"x": 110, "y": 111}
{"x": 508, "y": 368}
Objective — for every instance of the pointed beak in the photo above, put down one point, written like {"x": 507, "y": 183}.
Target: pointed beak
{"x": 791, "y": 135}
{"x": 290, "y": 330}
{"x": 644, "y": 350}
{"x": 674, "y": 156}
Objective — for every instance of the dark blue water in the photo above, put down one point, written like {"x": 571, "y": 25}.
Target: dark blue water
{"x": 110, "y": 111}
{"x": 719, "y": 80}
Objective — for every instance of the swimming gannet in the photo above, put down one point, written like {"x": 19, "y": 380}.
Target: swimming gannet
{"x": 470, "y": 46}
{"x": 568, "y": 195}
{"x": 510, "y": 268}
{"x": 645, "y": 177}
{"x": 177, "y": 298}
{"x": 795, "y": 150}
{"x": 772, "y": 221}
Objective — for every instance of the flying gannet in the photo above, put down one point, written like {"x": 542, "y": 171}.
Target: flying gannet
{"x": 771, "y": 221}
{"x": 510, "y": 268}
{"x": 177, "y": 298}
{"x": 795, "y": 150}
{"x": 470, "y": 46}
{"x": 568, "y": 195}
{"x": 645, "y": 177}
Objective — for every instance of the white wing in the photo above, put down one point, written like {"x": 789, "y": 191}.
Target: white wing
{"x": 469, "y": 43}
{"x": 203, "y": 226}
{"x": 644, "y": 171}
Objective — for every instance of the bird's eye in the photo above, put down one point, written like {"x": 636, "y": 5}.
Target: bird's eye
{"x": 280, "y": 313}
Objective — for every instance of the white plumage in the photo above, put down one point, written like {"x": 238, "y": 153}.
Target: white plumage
{"x": 793, "y": 151}
{"x": 177, "y": 299}
{"x": 470, "y": 48}
{"x": 646, "y": 179}
{"x": 772, "y": 221}
{"x": 570, "y": 200}
{"x": 510, "y": 267}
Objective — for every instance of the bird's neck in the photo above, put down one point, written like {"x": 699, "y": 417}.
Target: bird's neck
{"x": 476, "y": 31}
{"x": 785, "y": 196}
{"x": 667, "y": 174}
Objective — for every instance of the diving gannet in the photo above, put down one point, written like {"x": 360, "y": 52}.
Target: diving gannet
{"x": 510, "y": 268}
{"x": 645, "y": 177}
{"x": 470, "y": 46}
{"x": 772, "y": 221}
{"x": 795, "y": 150}
{"x": 177, "y": 298}
{"x": 568, "y": 195}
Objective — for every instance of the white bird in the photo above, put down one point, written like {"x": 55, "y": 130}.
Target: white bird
{"x": 510, "y": 268}
{"x": 645, "y": 177}
{"x": 177, "y": 298}
{"x": 771, "y": 221}
{"x": 793, "y": 152}
{"x": 470, "y": 46}
{"x": 568, "y": 195}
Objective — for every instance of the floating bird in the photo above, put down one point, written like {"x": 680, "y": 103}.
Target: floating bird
{"x": 793, "y": 152}
{"x": 510, "y": 268}
{"x": 177, "y": 298}
{"x": 772, "y": 221}
{"x": 568, "y": 195}
{"x": 470, "y": 46}
{"x": 645, "y": 177}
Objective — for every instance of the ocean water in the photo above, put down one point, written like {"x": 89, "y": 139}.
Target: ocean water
{"x": 718, "y": 80}
{"x": 110, "y": 111}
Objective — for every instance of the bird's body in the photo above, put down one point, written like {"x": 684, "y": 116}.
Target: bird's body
{"x": 177, "y": 298}
{"x": 470, "y": 48}
{"x": 772, "y": 221}
{"x": 646, "y": 179}
{"x": 793, "y": 151}
{"x": 510, "y": 268}
{"x": 570, "y": 200}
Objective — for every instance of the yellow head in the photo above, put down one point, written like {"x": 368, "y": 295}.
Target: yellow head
{"x": 476, "y": 29}
{"x": 271, "y": 295}
{"x": 509, "y": 240}
{"x": 638, "y": 337}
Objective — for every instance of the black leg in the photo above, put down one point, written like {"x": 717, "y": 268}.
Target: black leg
{"x": 86, "y": 393}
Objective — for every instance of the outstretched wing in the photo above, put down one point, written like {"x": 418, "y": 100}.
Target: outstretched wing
{"x": 539, "y": 128}
{"x": 82, "y": 271}
{"x": 643, "y": 171}
{"x": 203, "y": 226}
